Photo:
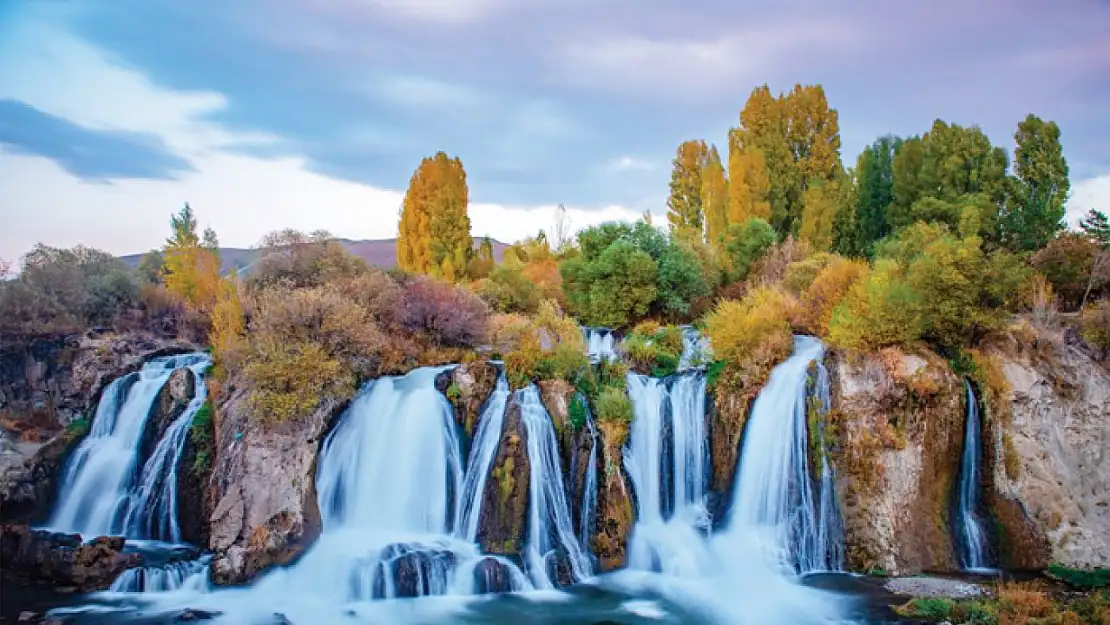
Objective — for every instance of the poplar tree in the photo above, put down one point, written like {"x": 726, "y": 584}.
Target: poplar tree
{"x": 715, "y": 197}
{"x": 685, "y": 206}
{"x": 191, "y": 266}
{"x": 1038, "y": 191}
{"x": 749, "y": 185}
{"x": 434, "y": 228}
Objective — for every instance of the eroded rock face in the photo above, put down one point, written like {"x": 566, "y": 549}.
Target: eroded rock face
{"x": 1051, "y": 455}
{"x": 575, "y": 445}
{"x": 898, "y": 423}
{"x": 263, "y": 483}
{"x": 492, "y": 576}
{"x": 503, "y": 522}
{"x": 412, "y": 572}
{"x": 615, "y": 506}
{"x": 62, "y": 560}
{"x": 170, "y": 404}
{"x": 728, "y": 413}
{"x": 467, "y": 387}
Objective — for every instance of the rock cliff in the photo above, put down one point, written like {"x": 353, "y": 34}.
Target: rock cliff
{"x": 503, "y": 522}
{"x": 896, "y": 429}
{"x": 1048, "y": 418}
{"x": 616, "y": 509}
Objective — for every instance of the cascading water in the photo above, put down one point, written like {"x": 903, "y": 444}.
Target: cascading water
{"x": 550, "y": 528}
{"x": 666, "y": 460}
{"x": 695, "y": 349}
{"x": 99, "y": 494}
{"x": 599, "y": 344}
{"x": 482, "y": 452}
{"x": 969, "y": 530}
{"x": 191, "y": 573}
{"x": 773, "y": 494}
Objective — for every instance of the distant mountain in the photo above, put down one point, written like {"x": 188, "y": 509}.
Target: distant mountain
{"x": 377, "y": 252}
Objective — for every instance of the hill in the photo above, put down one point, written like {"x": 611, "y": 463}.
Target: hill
{"x": 378, "y": 252}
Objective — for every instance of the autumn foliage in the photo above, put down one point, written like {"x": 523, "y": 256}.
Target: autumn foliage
{"x": 434, "y": 233}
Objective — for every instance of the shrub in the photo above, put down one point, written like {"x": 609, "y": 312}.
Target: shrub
{"x": 654, "y": 349}
{"x": 549, "y": 346}
{"x": 746, "y": 243}
{"x": 826, "y": 291}
{"x": 879, "y": 310}
{"x": 289, "y": 380}
{"x": 578, "y": 411}
{"x": 800, "y": 274}
{"x": 1096, "y": 327}
{"x": 228, "y": 326}
{"x": 200, "y": 435}
{"x": 753, "y": 330}
{"x": 1067, "y": 262}
{"x": 680, "y": 282}
{"x": 302, "y": 260}
{"x": 1091, "y": 578}
{"x": 614, "y": 406}
{"x": 508, "y": 290}
{"x": 449, "y": 315}
{"x": 771, "y": 267}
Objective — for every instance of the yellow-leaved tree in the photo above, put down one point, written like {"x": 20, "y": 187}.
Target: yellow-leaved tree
{"x": 434, "y": 229}
{"x": 191, "y": 268}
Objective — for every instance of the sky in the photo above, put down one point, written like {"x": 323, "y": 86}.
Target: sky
{"x": 313, "y": 114}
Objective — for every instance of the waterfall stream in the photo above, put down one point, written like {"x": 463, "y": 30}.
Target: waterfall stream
{"x": 483, "y": 450}
{"x": 600, "y": 344}
{"x": 773, "y": 491}
{"x": 971, "y": 539}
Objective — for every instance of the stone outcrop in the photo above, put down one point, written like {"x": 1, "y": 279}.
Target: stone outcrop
{"x": 503, "y": 521}
{"x": 467, "y": 387}
{"x": 576, "y": 445}
{"x": 615, "y": 505}
{"x": 55, "y": 380}
{"x": 62, "y": 561}
{"x": 264, "y": 485}
{"x": 29, "y": 474}
{"x": 1048, "y": 432}
{"x": 896, "y": 435}
{"x": 492, "y": 576}
{"x": 170, "y": 404}
{"x": 728, "y": 413}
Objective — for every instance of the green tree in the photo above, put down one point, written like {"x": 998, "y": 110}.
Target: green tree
{"x": 1038, "y": 191}
{"x": 622, "y": 286}
{"x": 191, "y": 267}
{"x": 150, "y": 267}
{"x": 875, "y": 169}
{"x": 745, "y": 243}
{"x": 715, "y": 197}
{"x": 434, "y": 229}
{"x": 1096, "y": 226}
{"x": 685, "y": 209}
{"x": 483, "y": 262}
{"x": 680, "y": 281}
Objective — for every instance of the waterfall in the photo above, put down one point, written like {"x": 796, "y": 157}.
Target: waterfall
{"x": 599, "y": 344}
{"x": 773, "y": 493}
{"x": 189, "y": 574}
{"x": 667, "y": 459}
{"x": 483, "y": 450}
{"x": 550, "y": 529}
{"x": 589, "y": 490}
{"x": 101, "y": 493}
{"x": 695, "y": 349}
{"x": 969, "y": 530}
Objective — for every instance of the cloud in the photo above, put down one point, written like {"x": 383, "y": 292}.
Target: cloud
{"x": 631, "y": 163}
{"x": 1087, "y": 194}
{"x": 93, "y": 155}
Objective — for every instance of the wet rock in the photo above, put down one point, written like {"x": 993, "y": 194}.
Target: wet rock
{"x": 62, "y": 560}
{"x": 412, "y": 572}
{"x": 1047, "y": 430}
{"x": 898, "y": 422}
{"x": 197, "y": 615}
{"x": 264, "y": 487}
{"x": 170, "y": 404}
{"x": 615, "y": 505}
{"x": 28, "y": 483}
{"x": 492, "y": 576}
{"x": 933, "y": 588}
{"x": 728, "y": 412}
{"x": 467, "y": 387}
{"x": 504, "y": 516}
{"x": 575, "y": 444}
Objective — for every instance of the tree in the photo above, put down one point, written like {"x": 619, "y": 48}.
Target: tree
{"x": 715, "y": 197}
{"x": 1096, "y": 226}
{"x": 680, "y": 281}
{"x": 191, "y": 269}
{"x": 749, "y": 185}
{"x": 819, "y": 214}
{"x": 1038, "y": 191}
{"x": 483, "y": 262}
{"x": 434, "y": 228}
{"x": 685, "y": 205}
{"x": 875, "y": 169}
{"x": 150, "y": 267}
{"x": 745, "y": 243}
{"x": 1068, "y": 261}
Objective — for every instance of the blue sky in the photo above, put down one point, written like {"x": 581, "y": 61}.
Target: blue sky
{"x": 314, "y": 113}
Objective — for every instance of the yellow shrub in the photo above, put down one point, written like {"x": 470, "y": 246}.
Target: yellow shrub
{"x": 880, "y": 309}
{"x": 826, "y": 291}
{"x": 753, "y": 330}
{"x": 226, "y": 335}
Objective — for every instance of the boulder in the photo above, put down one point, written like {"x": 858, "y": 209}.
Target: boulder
{"x": 1047, "y": 415}
{"x": 263, "y": 481}
{"x": 615, "y": 505}
{"x": 492, "y": 576}
{"x": 503, "y": 522}
{"x": 28, "y": 483}
{"x": 728, "y": 412}
{"x": 467, "y": 387}
{"x": 412, "y": 572}
{"x": 170, "y": 404}
{"x": 61, "y": 560}
{"x": 896, "y": 435}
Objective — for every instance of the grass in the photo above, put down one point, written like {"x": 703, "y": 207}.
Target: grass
{"x": 200, "y": 434}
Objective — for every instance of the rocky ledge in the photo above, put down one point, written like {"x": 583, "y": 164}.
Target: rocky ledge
{"x": 62, "y": 561}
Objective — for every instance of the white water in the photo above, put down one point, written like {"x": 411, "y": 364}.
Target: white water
{"x": 483, "y": 449}
{"x": 589, "y": 491}
{"x": 773, "y": 495}
{"x": 99, "y": 494}
{"x": 599, "y": 344}
{"x": 695, "y": 349}
{"x": 550, "y": 529}
{"x": 190, "y": 574}
{"x": 972, "y": 539}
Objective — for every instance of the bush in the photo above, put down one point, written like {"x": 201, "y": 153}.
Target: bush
{"x": 800, "y": 274}
{"x": 614, "y": 406}
{"x": 771, "y": 267}
{"x": 1067, "y": 262}
{"x": 879, "y": 310}
{"x": 1091, "y": 578}
{"x": 301, "y": 260}
{"x": 746, "y": 243}
{"x": 547, "y": 347}
{"x": 826, "y": 291}
{"x": 447, "y": 314}
{"x": 654, "y": 349}
{"x": 508, "y": 290}
{"x": 1096, "y": 327}
{"x": 754, "y": 330}
{"x": 289, "y": 380}
{"x": 680, "y": 283}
